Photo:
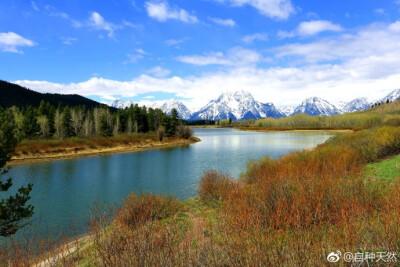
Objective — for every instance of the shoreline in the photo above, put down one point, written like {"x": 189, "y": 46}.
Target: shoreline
{"x": 255, "y": 129}
{"x": 48, "y": 156}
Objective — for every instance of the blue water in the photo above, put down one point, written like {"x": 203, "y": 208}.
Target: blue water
{"x": 64, "y": 191}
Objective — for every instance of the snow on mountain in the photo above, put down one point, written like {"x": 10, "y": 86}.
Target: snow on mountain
{"x": 119, "y": 103}
{"x": 166, "y": 107}
{"x": 287, "y": 110}
{"x": 340, "y": 105}
{"x": 238, "y": 105}
{"x": 357, "y": 104}
{"x": 393, "y": 96}
{"x": 316, "y": 106}
{"x": 183, "y": 111}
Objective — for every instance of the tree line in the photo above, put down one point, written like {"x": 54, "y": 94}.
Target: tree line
{"x": 48, "y": 121}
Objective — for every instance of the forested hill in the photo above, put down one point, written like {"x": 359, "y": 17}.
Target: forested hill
{"x": 14, "y": 95}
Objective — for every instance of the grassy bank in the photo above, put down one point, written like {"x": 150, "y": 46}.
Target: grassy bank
{"x": 35, "y": 150}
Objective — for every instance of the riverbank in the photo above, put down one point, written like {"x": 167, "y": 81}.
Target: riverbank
{"x": 26, "y": 155}
{"x": 298, "y": 130}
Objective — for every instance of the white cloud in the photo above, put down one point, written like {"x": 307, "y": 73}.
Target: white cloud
{"x": 224, "y": 22}
{"x": 278, "y": 9}
{"x": 253, "y": 37}
{"x": 236, "y": 56}
{"x": 97, "y": 22}
{"x": 10, "y": 41}
{"x": 316, "y": 26}
{"x": 149, "y": 97}
{"x": 161, "y": 11}
{"x": 395, "y": 27}
{"x": 159, "y": 71}
{"x": 376, "y": 40}
{"x": 309, "y": 28}
{"x": 379, "y": 11}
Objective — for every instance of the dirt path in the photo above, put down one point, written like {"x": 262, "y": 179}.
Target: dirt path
{"x": 66, "y": 251}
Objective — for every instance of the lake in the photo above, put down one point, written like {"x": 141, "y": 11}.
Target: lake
{"x": 64, "y": 191}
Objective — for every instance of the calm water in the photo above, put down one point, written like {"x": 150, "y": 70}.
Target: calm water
{"x": 64, "y": 191}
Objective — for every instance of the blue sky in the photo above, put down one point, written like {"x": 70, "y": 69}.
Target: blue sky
{"x": 279, "y": 50}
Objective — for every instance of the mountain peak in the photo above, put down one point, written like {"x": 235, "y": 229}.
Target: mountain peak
{"x": 316, "y": 106}
{"x": 392, "y": 96}
{"x": 237, "y": 105}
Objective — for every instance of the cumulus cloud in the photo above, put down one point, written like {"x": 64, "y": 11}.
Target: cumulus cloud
{"x": 224, "y": 22}
{"x": 10, "y": 41}
{"x": 256, "y": 36}
{"x": 161, "y": 11}
{"x": 277, "y": 9}
{"x": 316, "y": 26}
{"x": 309, "y": 28}
{"x": 236, "y": 56}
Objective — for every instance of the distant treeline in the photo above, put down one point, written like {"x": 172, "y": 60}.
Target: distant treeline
{"x": 349, "y": 120}
{"x": 201, "y": 122}
{"x": 49, "y": 121}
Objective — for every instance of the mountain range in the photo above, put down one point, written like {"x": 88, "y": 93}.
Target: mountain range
{"x": 241, "y": 105}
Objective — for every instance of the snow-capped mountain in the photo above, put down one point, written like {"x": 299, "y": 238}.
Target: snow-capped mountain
{"x": 357, "y": 104}
{"x": 316, "y": 106}
{"x": 238, "y": 105}
{"x": 119, "y": 103}
{"x": 287, "y": 110}
{"x": 183, "y": 111}
{"x": 340, "y": 105}
{"x": 393, "y": 96}
{"x": 166, "y": 107}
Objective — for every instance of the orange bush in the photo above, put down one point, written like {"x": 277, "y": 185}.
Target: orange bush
{"x": 214, "y": 186}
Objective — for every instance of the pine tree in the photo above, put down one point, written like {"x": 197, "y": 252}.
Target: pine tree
{"x": 66, "y": 124}
{"x": 30, "y": 127}
{"x": 105, "y": 127}
{"x": 13, "y": 209}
